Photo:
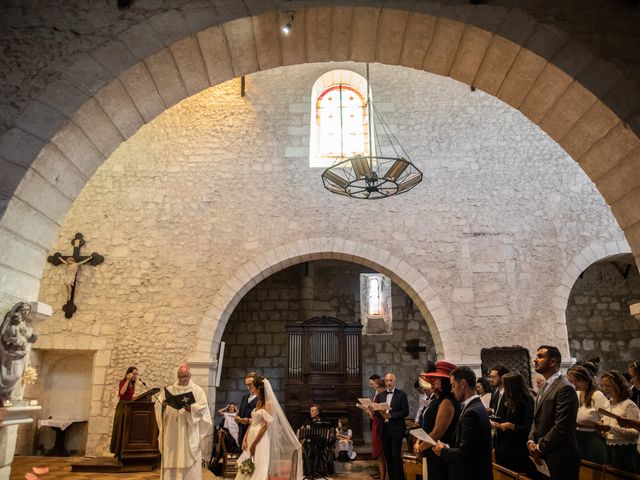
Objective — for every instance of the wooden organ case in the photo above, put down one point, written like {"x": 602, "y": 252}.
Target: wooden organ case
{"x": 324, "y": 366}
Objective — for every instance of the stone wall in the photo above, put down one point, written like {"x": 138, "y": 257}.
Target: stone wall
{"x": 41, "y": 40}
{"x": 255, "y": 337}
{"x": 216, "y": 192}
{"x": 598, "y": 317}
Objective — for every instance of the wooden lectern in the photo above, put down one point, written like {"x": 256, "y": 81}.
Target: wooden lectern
{"x": 139, "y": 452}
{"x": 140, "y": 433}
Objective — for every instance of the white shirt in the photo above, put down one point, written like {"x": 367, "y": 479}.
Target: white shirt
{"x": 422, "y": 401}
{"x": 464, "y": 404}
{"x": 390, "y": 396}
{"x": 589, "y": 415}
{"x": 548, "y": 382}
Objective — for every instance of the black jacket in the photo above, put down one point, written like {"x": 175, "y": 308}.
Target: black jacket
{"x": 469, "y": 457}
{"x": 244, "y": 411}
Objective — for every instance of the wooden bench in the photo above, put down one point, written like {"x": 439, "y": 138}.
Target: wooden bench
{"x": 591, "y": 471}
{"x": 611, "y": 473}
{"x": 412, "y": 469}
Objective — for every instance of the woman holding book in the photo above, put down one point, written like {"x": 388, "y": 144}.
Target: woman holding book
{"x": 621, "y": 442}
{"x": 512, "y": 431}
{"x": 439, "y": 419}
{"x": 376, "y": 429}
{"x": 126, "y": 390}
{"x": 591, "y": 443}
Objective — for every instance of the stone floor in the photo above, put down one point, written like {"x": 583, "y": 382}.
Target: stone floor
{"x": 60, "y": 468}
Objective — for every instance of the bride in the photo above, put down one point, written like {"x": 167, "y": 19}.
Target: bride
{"x": 270, "y": 442}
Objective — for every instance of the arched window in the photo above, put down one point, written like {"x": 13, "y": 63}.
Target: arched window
{"x": 339, "y": 120}
{"x": 375, "y": 304}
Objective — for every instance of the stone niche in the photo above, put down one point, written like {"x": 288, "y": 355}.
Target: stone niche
{"x": 599, "y": 321}
{"x": 256, "y": 340}
{"x": 63, "y": 389}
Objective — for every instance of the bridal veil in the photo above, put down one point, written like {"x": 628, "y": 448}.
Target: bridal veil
{"x": 285, "y": 453}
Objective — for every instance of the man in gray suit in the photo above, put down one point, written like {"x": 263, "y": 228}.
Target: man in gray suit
{"x": 553, "y": 432}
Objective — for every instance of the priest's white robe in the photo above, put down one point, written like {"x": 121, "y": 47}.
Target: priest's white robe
{"x": 181, "y": 433}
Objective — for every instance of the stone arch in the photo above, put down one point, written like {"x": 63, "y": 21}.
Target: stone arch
{"x": 589, "y": 255}
{"x": 61, "y": 138}
{"x": 257, "y": 269}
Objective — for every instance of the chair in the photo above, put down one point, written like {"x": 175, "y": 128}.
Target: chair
{"x": 223, "y": 461}
{"x": 317, "y": 449}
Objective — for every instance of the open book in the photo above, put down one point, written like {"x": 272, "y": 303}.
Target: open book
{"x": 609, "y": 414}
{"x": 179, "y": 401}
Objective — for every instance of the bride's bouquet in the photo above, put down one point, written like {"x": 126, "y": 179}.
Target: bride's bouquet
{"x": 245, "y": 464}
{"x": 247, "y": 467}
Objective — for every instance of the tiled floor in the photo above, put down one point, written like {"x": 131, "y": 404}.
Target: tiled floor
{"x": 60, "y": 468}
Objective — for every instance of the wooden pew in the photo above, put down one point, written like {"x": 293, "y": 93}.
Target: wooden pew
{"x": 611, "y": 473}
{"x": 501, "y": 473}
{"x": 591, "y": 471}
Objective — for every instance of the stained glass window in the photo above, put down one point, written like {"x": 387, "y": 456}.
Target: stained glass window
{"x": 339, "y": 122}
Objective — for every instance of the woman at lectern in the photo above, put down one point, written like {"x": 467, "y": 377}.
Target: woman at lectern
{"x": 126, "y": 389}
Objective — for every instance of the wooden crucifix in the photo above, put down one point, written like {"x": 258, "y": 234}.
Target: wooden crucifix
{"x": 73, "y": 263}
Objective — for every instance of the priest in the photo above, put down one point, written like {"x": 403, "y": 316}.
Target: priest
{"x": 183, "y": 428}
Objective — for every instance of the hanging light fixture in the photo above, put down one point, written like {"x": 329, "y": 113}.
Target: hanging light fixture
{"x": 384, "y": 171}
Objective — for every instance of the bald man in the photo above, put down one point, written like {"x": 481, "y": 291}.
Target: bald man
{"x": 393, "y": 428}
{"x": 182, "y": 430}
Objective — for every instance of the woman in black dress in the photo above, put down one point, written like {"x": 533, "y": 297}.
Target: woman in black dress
{"x": 512, "y": 431}
{"x": 439, "y": 419}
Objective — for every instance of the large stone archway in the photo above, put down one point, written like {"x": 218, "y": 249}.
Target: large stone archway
{"x": 57, "y": 143}
{"x": 253, "y": 272}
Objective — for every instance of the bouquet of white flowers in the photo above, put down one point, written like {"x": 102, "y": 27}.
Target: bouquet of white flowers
{"x": 247, "y": 467}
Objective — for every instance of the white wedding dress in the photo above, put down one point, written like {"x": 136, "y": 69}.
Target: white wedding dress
{"x": 278, "y": 454}
{"x": 261, "y": 454}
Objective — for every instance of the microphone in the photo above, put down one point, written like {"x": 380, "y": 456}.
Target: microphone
{"x": 142, "y": 381}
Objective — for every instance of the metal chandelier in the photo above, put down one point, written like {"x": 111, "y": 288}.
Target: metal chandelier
{"x": 386, "y": 171}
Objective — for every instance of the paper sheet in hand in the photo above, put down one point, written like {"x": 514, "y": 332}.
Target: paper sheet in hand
{"x": 543, "y": 468}
{"x": 423, "y": 436}
{"x": 179, "y": 401}
{"x": 366, "y": 402}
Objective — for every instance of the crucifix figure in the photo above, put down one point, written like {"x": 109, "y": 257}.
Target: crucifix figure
{"x": 73, "y": 263}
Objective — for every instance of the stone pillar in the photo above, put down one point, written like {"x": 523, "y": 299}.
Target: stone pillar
{"x": 10, "y": 418}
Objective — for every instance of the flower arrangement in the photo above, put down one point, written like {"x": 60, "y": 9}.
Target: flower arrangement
{"x": 247, "y": 467}
{"x": 29, "y": 376}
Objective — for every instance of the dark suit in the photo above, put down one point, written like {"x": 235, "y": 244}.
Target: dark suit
{"x": 497, "y": 404}
{"x": 246, "y": 407}
{"x": 393, "y": 431}
{"x": 469, "y": 457}
{"x": 554, "y": 429}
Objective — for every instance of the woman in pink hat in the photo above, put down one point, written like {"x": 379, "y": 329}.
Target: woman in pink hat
{"x": 439, "y": 419}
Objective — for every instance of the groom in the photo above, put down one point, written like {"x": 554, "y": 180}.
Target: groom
{"x": 247, "y": 405}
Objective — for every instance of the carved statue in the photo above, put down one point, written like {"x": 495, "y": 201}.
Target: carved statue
{"x": 16, "y": 335}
